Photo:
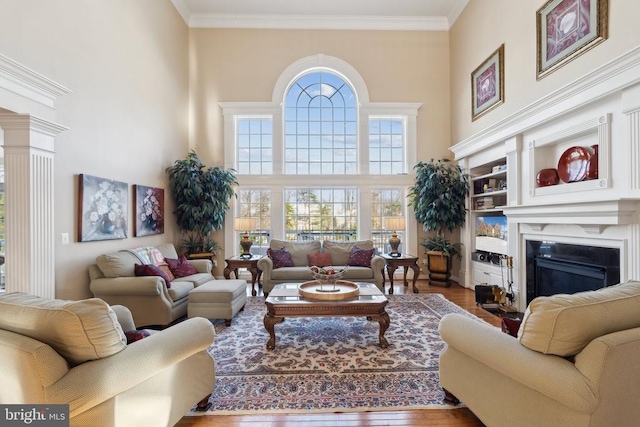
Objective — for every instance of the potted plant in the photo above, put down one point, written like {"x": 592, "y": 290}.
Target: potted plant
{"x": 202, "y": 196}
{"x": 438, "y": 200}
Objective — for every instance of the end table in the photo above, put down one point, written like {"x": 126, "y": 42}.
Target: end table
{"x": 251, "y": 264}
{"x": 408, "y": 262}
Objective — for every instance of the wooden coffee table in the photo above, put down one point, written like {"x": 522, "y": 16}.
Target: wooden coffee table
{"x": 285, "y": 301}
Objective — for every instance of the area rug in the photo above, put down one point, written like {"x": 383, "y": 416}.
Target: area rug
{"x": 331, "y": 364}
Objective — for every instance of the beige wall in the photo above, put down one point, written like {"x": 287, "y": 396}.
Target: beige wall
{"x": 485, "y": 24}
{"x": 244, "y": 65}
{"x": 126, "y": 63}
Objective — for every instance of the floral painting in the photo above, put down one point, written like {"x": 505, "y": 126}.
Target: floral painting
{"x": 103, "y": 209}
{"x": 149, "y": 210}
{"x": 568, "y": 28}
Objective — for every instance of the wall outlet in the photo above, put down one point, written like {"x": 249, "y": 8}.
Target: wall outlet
{"x": 65, "y": 238}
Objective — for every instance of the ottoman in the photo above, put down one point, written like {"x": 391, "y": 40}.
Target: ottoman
{"x": 218, "y": 299}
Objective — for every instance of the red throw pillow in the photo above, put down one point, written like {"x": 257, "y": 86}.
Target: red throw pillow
{"x": 510, "y": 326}
{"x": 361, "y": 257}
{"x": 151, "y": 270}
{"x": 321, "y": 259}
{"x": 135, "y": 335}
{"x": 180, "y": 267}
{"x": 280, "y": 257}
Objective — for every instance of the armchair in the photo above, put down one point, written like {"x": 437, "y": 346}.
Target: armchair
{"x": 75, "y": 353}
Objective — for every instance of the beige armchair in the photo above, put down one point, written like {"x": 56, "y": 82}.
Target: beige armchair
{"x": 574, "y": 362}
{"x": 75, "y": 353}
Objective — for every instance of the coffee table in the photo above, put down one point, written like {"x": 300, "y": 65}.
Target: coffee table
{"x": 285, "y": 301}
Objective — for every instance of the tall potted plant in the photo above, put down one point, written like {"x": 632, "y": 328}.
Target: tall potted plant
{"x": 438, "y": 200}
{"x": 202, "y": 195}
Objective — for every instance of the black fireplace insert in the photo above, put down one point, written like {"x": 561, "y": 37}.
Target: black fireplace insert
{"x": 560, "y": 268}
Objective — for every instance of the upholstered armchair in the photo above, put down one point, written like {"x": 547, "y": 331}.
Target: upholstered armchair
{"x": 76, "y": 353}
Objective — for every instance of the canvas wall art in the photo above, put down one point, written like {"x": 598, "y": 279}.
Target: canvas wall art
{"x": 102, "y": 208}
{"x": 487, "y": 84}
{"x": 149, "y": 202}
{"x": 568, "y": 28}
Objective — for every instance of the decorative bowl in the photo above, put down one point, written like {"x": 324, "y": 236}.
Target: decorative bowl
{"x": 328, "y": 274}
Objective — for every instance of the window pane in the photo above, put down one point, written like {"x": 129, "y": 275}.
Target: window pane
{"x": 254, "y": 142}
{"x": 386, "y": 146}
{"x": 386, "y": 203}
{"x": 323, "y": 105}
{"x": 317, "y": 214}
{"x": 256, "y": 203}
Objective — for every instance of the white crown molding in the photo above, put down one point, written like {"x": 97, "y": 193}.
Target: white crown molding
{"x": 455, "y": 13}
{"x": 25, "y": 82}
{"x": 320, "y": 22}
{"x": 586, "y": 214}
{"x": 182, "y": 9}
{"x": 614, "y": 76}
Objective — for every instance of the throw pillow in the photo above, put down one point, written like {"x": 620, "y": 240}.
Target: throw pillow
{"x": 361, "y": 257}
{"x": 151, "y": 270}
{"x": 321, "y": 259}
{"x": 165, "y": 268}
{"x": 135, "y": 335}
{"x": 280, "y": 257}
{"x": 156, "y": 256}
{"x": 510, "y": 326}
{"x": 180, "y": 267}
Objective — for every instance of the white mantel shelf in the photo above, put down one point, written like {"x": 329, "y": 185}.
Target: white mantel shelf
{"x": 601, "y": 212}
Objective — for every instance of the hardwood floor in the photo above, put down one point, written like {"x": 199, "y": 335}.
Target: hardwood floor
{"x": 462, "y": 417}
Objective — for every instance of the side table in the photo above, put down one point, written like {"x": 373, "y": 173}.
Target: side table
{"x": 408, "y": 262}
{"x": 251, "y": 264}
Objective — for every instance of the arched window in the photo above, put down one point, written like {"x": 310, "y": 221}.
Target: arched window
{"x": 321, "y": 126}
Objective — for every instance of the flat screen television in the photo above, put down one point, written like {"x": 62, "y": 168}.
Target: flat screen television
{"x": 491, "y": 234}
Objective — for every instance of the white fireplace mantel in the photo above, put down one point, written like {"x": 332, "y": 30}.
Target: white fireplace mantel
{"x": 599, "y": 212}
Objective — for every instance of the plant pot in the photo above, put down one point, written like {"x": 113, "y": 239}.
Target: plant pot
{"x": 439, "y": 265}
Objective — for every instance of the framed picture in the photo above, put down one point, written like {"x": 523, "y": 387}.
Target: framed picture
{"x": 149, "y": 202}
{"x": 568, "y": 28}
{"x": 487, "y": 84}
{"x": 102, "y": 209}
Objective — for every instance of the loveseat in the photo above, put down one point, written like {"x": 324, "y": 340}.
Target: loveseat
{"x": 574, "y": 362}
{"x": 76, "y": 353}
{"x": 151, "y": 301}
{"x": 339, "y": 253}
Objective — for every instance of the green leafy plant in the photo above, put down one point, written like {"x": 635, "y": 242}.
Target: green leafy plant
{"x": 438, "y": 199}
{"x": 202, "y": 195}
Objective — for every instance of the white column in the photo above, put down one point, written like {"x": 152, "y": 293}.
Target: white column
{"x": 29, "y": 212}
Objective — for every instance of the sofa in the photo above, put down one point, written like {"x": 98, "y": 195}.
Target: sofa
{"x": 339, "y": 253}
{"x": 574, "y": 362}
{"x": 76, "y": 353}
{"x": 151, "y": 301}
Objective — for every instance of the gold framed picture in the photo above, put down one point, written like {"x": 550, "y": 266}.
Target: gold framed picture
{"x": 565, "y": 29}
{"x": 487, "y": 84}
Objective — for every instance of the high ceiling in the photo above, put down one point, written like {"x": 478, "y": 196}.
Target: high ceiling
{"x": 322, "y": 14}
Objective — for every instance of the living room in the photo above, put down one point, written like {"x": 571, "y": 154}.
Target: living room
{"x": 132, "y": 87}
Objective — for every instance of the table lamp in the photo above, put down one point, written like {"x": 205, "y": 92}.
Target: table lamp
{"x": 245, "y": 224}
{"x": 394, "y": 223}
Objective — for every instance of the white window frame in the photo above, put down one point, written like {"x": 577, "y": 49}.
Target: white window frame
{"x": 278, "y": 181}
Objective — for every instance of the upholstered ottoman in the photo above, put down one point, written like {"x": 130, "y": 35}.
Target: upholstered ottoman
{"x": 218, "y": 299}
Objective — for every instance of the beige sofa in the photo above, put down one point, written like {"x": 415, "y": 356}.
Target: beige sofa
{"x": 574, "y": 362}
{"x": 75, "y": 353}
{"x": 151, "y": 303}
{"x": 340, "y": 252}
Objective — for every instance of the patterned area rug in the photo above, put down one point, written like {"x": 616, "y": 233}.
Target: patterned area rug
{"x": 331, "y": 364}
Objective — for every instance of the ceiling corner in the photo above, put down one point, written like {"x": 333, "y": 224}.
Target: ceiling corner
{"x": 182, "y": 9}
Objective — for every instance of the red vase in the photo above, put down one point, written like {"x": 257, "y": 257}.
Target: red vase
{"x": 592, "y": 163}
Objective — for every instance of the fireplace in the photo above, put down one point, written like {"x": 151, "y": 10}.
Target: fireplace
{"x": 554, "y": 268}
